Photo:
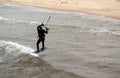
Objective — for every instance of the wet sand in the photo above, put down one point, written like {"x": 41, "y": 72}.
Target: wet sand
{"x": 108, "y": 8}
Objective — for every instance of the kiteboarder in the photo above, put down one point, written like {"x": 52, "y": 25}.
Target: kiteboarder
{"x": 42, "y": 30}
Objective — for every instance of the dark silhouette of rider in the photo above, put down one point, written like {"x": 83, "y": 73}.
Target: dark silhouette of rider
{"x": 41, "y": 36}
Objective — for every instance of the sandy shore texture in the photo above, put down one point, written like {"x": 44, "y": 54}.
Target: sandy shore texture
{"x": 108, "y": 8}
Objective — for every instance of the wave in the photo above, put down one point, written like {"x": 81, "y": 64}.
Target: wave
{"x": 100, "y": 31}
{"x": 15, "y": 49}
{"x": 2, "y": 18}
{"x": 17, "y": 21}
{"x": 83, "y": 29}
{"x": 15, "y": 62}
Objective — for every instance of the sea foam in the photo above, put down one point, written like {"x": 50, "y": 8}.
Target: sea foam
{"x": 17, "y": 21}
{"x": 16, "y": 49}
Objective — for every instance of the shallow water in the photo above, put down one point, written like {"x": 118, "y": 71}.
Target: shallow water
{"x": 86, "y": 45}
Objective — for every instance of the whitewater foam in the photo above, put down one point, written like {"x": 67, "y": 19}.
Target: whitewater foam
{"x": 2, "y": 18}
{"x": 18, "y": 21}
{"x": 99, "y": 31}
{"x": 16, "y": 49}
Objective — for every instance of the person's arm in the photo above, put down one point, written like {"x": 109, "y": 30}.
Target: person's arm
{"x": 46, "y": 30}
{"x": 38, "y": 31}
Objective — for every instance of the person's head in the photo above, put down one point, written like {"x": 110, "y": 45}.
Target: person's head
{"x": 40, "y": 27}
{"x": 42, "y": 24}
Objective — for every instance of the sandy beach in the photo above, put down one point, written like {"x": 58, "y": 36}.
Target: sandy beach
{"x": 108, "y": 8}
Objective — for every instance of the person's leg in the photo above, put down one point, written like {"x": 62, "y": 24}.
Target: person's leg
{"x": 43, "y": 45}
{"x": 37, "y": 44}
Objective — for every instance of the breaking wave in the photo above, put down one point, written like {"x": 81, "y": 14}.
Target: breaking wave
{"x": 91, "y": 30}
{"x": 100, "y": 31}
{"x": 17, "y": 21}
{"x": 15, "y": 49}
{"x": 16, "y": 62}
{"x": 97, "y": 31}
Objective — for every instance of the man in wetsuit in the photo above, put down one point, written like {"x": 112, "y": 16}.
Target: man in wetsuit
{"x": 41, "y": 36}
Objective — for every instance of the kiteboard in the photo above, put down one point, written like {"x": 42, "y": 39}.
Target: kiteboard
{"x": 41, "y": 50}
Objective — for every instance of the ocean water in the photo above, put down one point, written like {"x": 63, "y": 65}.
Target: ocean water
{"x": 16, "y": 61}
{"x": 78, "y": 45}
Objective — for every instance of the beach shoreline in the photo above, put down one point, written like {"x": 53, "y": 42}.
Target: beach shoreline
{"x": 107, "y": 11}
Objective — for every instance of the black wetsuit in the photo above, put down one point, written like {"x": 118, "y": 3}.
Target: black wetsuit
{"x": 41, "y": 35}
